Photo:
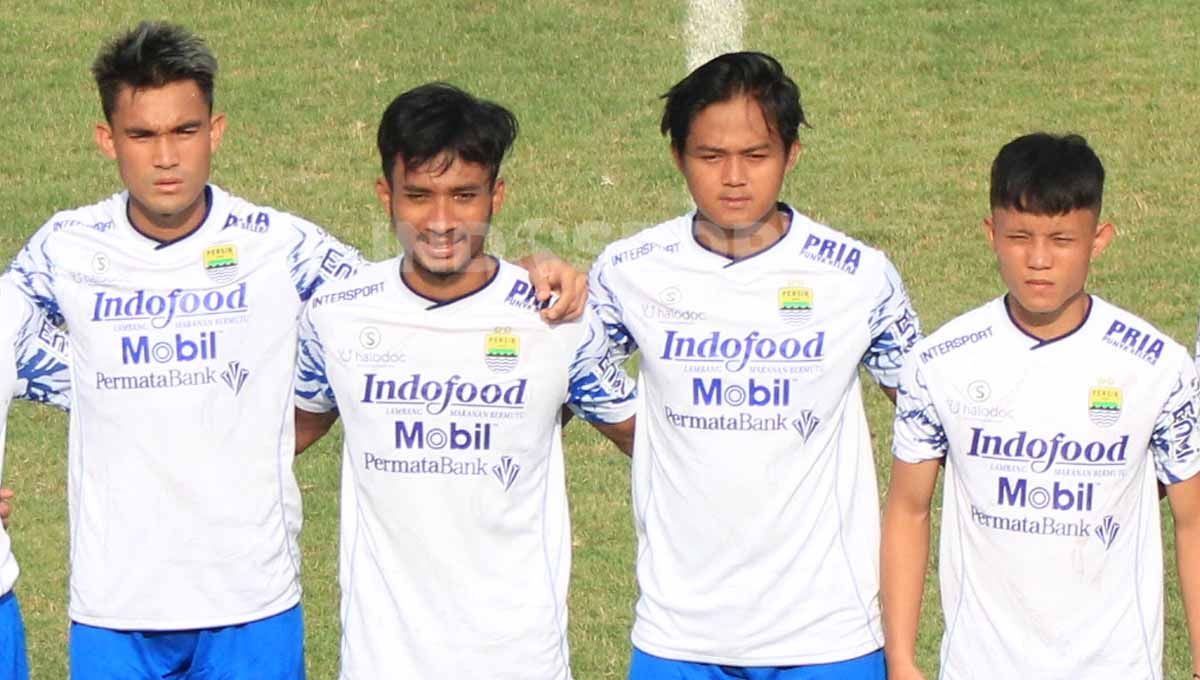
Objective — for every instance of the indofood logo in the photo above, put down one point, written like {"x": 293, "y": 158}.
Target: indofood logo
{"x": 734, "y": 353}
{"x": 1043, "y": 453}
{"x": 1104, "y": 405}
{"x": 796, "y": 304}
{"x": 502, "y": 349}
{"x": 221, "y": 263}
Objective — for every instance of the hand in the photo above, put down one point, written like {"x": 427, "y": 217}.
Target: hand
{"x": 5, "y": 506}
{"x": 550, "y": 273}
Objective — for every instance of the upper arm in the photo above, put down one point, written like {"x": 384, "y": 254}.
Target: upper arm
{"x": 33, "y": 272}
{"x": 599, "y": 390}
{"x": 1175, "y": 438}
{"x": 608, "y": 308}
{"x": 313, "y": 390}
{"x": 893, "y": 327}
{"x": 315, "y": 257}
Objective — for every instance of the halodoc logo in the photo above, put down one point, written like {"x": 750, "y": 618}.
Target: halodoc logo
{"x": 735, "y": 353}
{"x": 438, "y": 395}
{"x": 160, "y": 309}
{"x": 1043, "y": 453}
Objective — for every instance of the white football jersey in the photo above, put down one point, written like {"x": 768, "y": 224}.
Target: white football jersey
{"x": 184, "y": 512}
{"x": 755, "y": 500}
{"x": 1051, "y": 553}
{"x": 33, "y": 366}
{"x": 455, "y": 536}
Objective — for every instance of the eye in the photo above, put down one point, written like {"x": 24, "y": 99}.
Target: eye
{"x": 466, "y": 195}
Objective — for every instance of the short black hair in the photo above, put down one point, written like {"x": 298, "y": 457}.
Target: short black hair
{"x": 153, "y": 54}
{"x": 440, "y": 120}
{"x": 730, "y": 75}
{"x": 1045, "y": 174}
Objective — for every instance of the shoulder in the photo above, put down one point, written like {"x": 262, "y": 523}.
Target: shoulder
{"x": 963, "y": 335}
{"x": 836, "y": 250}
{"x": 14, "y": 310}
{"x": 369, "y": 281}
{"x": 95, "y": 219}
{"x": 245, "y": 216}
{"x": 1125, "y": 333}
{"x": 648, "y": 246}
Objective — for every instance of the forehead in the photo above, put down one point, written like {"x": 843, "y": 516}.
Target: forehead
{"x": 163, "y": 105}
{"x": 441, "y": 171}
{"x": 1076, "y": 221}
{"x": 734, "y": 122}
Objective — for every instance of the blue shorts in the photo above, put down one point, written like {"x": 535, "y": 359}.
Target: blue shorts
{"x": 649, "y": 667}
{"x": 13, "y": 664}
{"x": 267, "y": 649}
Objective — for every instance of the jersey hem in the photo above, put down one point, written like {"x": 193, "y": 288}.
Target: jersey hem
{"x": 112, "y": 623}
{"x": 867, "y": 647}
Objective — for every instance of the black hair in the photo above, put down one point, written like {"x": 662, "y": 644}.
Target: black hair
{"x": 153, "y": 54}
{"x": 730, "y": 75}
{"x": 1045, "y": 174}
{"x": 438, "y": 121}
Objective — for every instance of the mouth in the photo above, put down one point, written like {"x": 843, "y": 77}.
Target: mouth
{"x": 1039, "y": 284}
{"x": 169, "y": 184}
{"x": 441, "y": 246}
{"x": 734, "y": 201}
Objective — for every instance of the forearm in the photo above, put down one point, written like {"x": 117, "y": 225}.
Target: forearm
{"x": 1187, "y": 551}
{"x": 905, "y": 556}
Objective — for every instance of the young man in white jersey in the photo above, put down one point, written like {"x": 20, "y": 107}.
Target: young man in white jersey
{"x": 753, "y": 477}
{"x": 33, "y": 366}
{"x": 182, "y": 301}
{"x": 1056, "y": 415}
{"x": 456, "y": 545}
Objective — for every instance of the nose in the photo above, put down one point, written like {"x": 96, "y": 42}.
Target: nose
{"x": 733, "y": 171}
{"x": 1039, "y": 255}
{"x": 441, "y": 219}
{"x": 166, "y": 155}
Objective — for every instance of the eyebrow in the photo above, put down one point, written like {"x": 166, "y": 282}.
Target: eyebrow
{"x": 138, "y": 129}
{"x": 704, "y": 148}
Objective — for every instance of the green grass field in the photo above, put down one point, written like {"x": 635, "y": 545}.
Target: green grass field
{"x": 908, "y": 100}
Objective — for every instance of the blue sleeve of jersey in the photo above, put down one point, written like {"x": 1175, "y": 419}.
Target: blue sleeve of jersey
{"x": 894, "y": 329}
{"x": 604, "y": 301}
{"x": 600, "y": 390}
{"x": 1175, "y": 438}
{"x": 917, "y": 432}
{"x": 32, "y": 270}
{"x": 316, "y": 257}
{"x": 43, "y": 371}
{"x": 313, "y": 391}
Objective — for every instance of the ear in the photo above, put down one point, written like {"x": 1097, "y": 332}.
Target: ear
{"x": 383, "y": 190}
{"x": 103, "y": 135}
{"x": 989, "y": 229}
{"x": 793, "y": 155}
{"x": 216, "y": 131}
{"x": 498, "y": 195}
{"x": 1105, "y": 232}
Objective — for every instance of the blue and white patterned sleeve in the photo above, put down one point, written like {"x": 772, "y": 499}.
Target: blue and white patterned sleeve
{"x": 313, "y": 391}
{"x": 1175, "y": 438}
{"x": 316, "y": 257}
{"x": 43, "y": 356}
{"x": 917, "y": 432}
{"x": 600, "y": 390}
{"x": 603, "y": 300}
{"x": 33, "y": 271}
{"x": 894, "y": 329}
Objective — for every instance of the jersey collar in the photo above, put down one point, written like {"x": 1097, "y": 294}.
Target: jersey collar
{"x": 1039, "y": 342}
{"x": 730, "y": 261}
{"x": 438, "y": 304}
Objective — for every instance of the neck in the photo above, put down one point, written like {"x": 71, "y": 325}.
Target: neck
{"x": 741, "y": 242}
{"x": 442, "y": 287}
{"x": 167, "y": 228}
{"x": 1050, "y": 325}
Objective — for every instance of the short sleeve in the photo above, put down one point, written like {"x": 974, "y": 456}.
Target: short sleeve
{"x": 313, "y": 391}
{"x": 43, "y": 361}
{"x": 894, "y": 329}
{"x": 917, "y": 432}
{"x": 1174, "y": 440}
{"x": 608, "y": 308}
{"x": 600, "y": 390}
{"x": 316, "y": 257}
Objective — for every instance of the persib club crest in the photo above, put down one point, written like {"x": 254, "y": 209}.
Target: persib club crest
{"x": 1104, "y": 405}
{"x": 221, "y": 263}
{"x": 795, "y": 304}
{"x": 502, "y": 350}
